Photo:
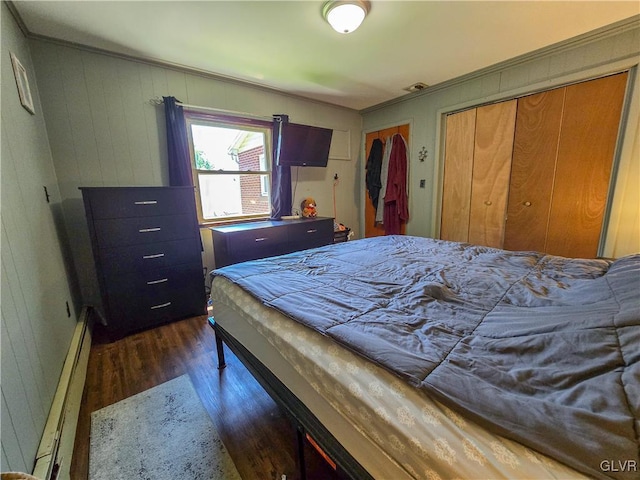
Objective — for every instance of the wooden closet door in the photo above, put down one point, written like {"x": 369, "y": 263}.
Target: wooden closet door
{"x": 493, "y": 149}
{"x": 587, "y": 144}
{"x": 371, "y": 229}
{"x": 458, "y": 170}
{"x": 532, "y": 170}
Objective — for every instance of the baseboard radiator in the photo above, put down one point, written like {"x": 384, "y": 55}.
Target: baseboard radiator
{"x": 53, "y": 460}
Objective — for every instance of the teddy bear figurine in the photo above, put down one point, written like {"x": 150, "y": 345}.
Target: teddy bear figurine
{"x": 308, "y": 207}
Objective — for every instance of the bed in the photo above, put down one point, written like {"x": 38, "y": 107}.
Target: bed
{"x": 407, "y": 357}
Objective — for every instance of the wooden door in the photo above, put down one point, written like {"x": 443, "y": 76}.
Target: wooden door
{"x": 588, "y": 137}
{"x": 371, "y": 229}
{"x": 493, "y": 148}
{"x": 458, "y": 171}
{"x": 532, "y": 170}
{"x": 478, "y": 148}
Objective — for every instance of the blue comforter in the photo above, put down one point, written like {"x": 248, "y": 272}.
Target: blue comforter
{"x": 541, "y": 349}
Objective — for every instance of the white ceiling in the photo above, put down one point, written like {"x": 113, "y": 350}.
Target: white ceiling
{"x": 288, "y": 46}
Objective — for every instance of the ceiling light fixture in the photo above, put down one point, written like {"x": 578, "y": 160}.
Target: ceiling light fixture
{"x": 345, "y": 16}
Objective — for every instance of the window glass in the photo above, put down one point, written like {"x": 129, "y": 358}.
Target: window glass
{"x": 231, "y": 165}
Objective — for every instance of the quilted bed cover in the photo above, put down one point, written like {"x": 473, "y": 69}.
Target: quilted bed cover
{"x": 540, "y": 349}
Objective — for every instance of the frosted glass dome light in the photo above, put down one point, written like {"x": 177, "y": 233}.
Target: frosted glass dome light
{"x": 345, "y": 16}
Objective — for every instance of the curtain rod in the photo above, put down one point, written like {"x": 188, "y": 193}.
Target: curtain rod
{"x": 159, "y": 101}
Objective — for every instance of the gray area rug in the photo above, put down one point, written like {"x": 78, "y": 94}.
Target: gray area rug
{"x": 161, "y": 433}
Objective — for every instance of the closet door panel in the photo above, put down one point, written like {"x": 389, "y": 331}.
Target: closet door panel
{"x": 585, "y": 154}
{"x": 495, "y": 125}
{"x": 458, "y": 169}
{"x": 532, "y": 170}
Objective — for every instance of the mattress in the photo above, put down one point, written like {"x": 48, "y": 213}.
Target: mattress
{"x": 395, "y": 431}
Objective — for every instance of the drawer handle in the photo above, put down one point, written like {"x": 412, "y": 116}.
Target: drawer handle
{"x": 146, "y": 202}
{"x": 147, "y": 230}
{"x": 312, "y": 230}
{"x": 156, "y": 255}
{"x": 162, "y": 305}
{"x": 154, "y": 282}
{"x": 261, "y": 239}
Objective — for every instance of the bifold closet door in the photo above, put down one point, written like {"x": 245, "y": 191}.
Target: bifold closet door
{"x": 458, "y": 171}
{"x": 533, "y": 167}
{"x": 478, "y": 149}
{"x": 491, "y": 171}
{"x": 588, "y": 136}
{"x": 533, "y": 173}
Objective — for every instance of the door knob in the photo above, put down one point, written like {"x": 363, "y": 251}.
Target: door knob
{"x": 527, "y": 204}
{"x": 488, "y": 202}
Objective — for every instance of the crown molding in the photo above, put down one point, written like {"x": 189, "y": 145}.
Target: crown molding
{"x": 560, "y": 47}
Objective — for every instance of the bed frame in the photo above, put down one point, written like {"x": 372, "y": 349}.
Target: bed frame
{"x": 305, "y": 422}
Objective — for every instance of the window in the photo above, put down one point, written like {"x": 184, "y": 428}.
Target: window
{"x": 265, "y": 180}
{"x": 231, "y": 162}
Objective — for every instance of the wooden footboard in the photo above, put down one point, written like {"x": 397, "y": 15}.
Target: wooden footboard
{"x": 305, "y": 421}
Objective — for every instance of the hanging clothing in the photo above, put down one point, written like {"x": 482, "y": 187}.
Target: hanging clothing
{"x": 396, "y": 205}
{"x": 383, "y": 180}
{"x": 374, "y": 167}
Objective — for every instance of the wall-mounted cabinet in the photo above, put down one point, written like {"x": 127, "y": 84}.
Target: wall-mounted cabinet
{"x": 533, "y": 173}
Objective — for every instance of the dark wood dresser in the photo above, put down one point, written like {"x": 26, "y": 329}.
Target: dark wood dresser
{"x": 252, "y": 240}
{"x": 147, "y": 251}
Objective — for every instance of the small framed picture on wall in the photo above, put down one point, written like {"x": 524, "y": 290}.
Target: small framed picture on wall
{"x": 22, "y": 81}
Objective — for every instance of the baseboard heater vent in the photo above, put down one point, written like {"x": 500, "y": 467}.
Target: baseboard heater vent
{"x": 53, "y": 460}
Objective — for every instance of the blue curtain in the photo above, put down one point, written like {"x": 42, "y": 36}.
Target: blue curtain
{"x": 281, "y": 201}
{"x": 177, "y": 146}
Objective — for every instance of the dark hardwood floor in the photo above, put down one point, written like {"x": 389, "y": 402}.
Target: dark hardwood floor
{"x": 257, "y": 434}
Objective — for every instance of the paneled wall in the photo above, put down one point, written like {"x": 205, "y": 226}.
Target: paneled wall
{"x": 36, "y": 331}
{"x": 605, "y": 51}
{"x": 104, "y": 130}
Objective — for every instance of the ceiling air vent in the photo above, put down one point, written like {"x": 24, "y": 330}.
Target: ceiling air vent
{"x": 416, "y": 87}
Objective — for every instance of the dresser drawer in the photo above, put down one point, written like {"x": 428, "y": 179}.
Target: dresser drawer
{"x": 150, "y": 256}
{"x": 130, "y": 317}
{"x": 315, "y": 233}
{"x": 149, "y": 296}
{"x": 118, "y": 232}
{"x": 119, "y": 202}
{"x": 258, "y": 243}
{"x": 153, "y": 285}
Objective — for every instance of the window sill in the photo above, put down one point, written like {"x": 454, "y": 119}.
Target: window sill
{"x": 219, "y": 223}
